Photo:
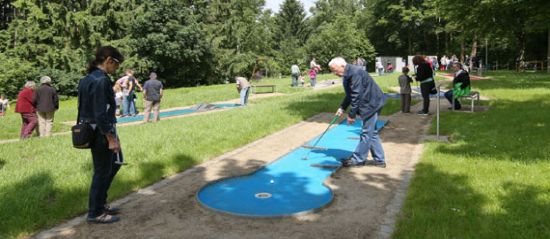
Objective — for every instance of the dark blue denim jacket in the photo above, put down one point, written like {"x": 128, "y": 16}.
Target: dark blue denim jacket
{"x": 362, "y": 93}
{"x": 97, "y": 101}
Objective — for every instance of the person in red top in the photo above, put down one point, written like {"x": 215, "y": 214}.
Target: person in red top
{"x": 25, "y": 107}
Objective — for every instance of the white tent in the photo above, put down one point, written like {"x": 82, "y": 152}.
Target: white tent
{"x": 396, "y": 61}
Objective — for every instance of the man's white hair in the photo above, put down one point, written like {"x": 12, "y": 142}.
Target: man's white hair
{"x": 339, "y": 61}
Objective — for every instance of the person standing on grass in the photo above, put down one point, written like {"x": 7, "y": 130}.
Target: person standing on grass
{"x": 313, "y": 75}
{"x": 119, "y": 97}
{"x": 97, "y": 106}
{"x": 295, "y": 73}
{"x": 443, "y": 65}
{"x": 4, "y": 104}
{"x": 405, "y": 90}
{"x": 379, "y": 68}
{"x": 389, "y": 67}
{"x": 243, "y": 87}
{"x": 129, "y": 85}
{"x": 366, "y": 100}
{"x": 47, "y": 102}
{"x": 424, "y": 75}
{"x": 312, "y": 63}
{"x": 26, "y": 108}
{"x": 361, "y": 62}
{"x": 152, "y": 93}
{"x": 461, "y": 85}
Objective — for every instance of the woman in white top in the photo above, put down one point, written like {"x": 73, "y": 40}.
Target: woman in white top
{"x": 4, "y": 104}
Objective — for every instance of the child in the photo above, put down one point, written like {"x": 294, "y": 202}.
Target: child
{"x": 313, "y": 75}
{"x": 119, "y": 96}
{"x": 389, "y": 68}
{"x": 301, "y": 78}
{"x": 4, "y": 104}
{"x": 405, "y": 85}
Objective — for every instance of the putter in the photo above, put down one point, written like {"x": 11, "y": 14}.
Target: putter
{"x": 336, "y": 117}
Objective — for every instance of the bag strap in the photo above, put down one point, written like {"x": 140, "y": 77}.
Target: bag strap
{"x": 78, "y": 114}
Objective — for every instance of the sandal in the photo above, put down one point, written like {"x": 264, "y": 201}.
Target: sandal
{"x": 103, "y": 219}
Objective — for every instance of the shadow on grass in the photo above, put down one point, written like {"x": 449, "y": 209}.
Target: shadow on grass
{"x": 41, "y": 202}
{"x": 443, "y": 205}
{"x": 511, "y": 130}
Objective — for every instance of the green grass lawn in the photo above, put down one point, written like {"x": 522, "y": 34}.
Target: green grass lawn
{"x": 493, "y": 179}
{"x": 10, "y": 124}
{"x": 44, "y": 181}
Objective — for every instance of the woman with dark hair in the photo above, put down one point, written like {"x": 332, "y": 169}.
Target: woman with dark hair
{"x": 97, "y": 107}
{"x": 424, "y": 75}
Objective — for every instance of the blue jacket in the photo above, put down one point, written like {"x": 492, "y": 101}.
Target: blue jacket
{"x": 362, "y": 93}
{"x": 97, "y": 101}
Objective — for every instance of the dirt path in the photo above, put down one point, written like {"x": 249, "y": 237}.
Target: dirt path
{"x": 367, "y": 200}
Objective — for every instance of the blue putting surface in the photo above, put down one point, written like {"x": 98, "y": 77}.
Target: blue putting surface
{"x": 171, "y": 113}
{"x": 289, "y": 185}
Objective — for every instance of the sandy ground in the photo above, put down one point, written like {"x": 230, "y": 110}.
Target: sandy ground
{"x": 367, "y": 199}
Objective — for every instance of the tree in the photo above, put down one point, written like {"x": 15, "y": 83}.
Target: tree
{"x": 240, "y": 32}
{"x": 291, "y": 22}
{"x": 165, "y": 36}
{"x": 340, "y": 38}
{"x": 291, "y": 33}
{"x": 401, "y": 26}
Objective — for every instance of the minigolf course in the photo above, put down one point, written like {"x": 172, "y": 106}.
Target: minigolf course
{"x": 290, "y": 185}
{"x": 171, "y": 113}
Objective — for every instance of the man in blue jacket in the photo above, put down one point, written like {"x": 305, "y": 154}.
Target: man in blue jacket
{"x": 366, "y": 100}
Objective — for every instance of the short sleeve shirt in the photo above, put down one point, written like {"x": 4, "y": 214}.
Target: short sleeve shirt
{"x": 152, "y": 89}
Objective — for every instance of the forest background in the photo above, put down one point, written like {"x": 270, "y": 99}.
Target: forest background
{"x": 202, "y": 42}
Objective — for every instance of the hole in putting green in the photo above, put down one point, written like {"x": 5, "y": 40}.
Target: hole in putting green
{"x": 263, "y": 195}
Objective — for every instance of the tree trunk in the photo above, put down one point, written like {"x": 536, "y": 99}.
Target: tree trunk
{"x": 446, "y": 50}
{"x": 15, "y": 29}
{"x": 521, "y": 53}
{"x": 462, "y": 50}
{"x": 548, "y": 54}
{"x": 437, "y": 46}
{"x": 411, "y": 53}
{"x": 473, "y": 52}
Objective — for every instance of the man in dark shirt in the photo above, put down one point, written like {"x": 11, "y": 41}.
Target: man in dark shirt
{"x": 366, "y": 100}
{"x": 47, "y": 102}
{"x": 152, "y": 92}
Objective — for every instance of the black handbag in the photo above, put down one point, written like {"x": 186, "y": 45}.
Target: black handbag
{"x": 83, "y": 134}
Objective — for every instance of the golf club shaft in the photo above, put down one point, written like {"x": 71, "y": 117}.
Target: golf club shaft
{"x": 331, "y": 123}
{"x": 315, "y": 144}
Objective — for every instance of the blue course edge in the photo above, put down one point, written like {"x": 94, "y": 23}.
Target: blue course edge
{"x": 170, "y": 113}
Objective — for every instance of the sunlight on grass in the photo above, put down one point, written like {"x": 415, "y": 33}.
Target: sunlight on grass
{"x": 492, "y": 181}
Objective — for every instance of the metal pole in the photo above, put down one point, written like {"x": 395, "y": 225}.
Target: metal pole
{"x": 486, "y": 52}
{"x": 437, "y": 112}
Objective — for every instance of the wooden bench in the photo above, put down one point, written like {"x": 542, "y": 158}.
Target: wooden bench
{"x": 473, "y": 96}
{"x": 255, "y": 88}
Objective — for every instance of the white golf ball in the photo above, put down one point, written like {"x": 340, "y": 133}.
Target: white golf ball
{"x": 272, "y": 181}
